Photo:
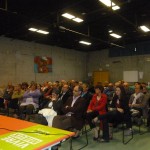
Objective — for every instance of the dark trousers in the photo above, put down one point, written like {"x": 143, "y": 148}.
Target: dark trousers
{"x": 62, "y": 122}
{"x": 40, "y": 119}
{"x": 28, "y": 109}
{"x": 90, "y": 116}
{"x": 110, "y": 117}
{"x": 1, "y": 103}
{"x": 148, "y": 120}
{"x": 13, "y": 104}
{"x": 105, "y": 129}
{"x": 127, "y": 120}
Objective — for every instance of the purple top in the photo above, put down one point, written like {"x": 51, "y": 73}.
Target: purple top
{"x": 31, "y": 97}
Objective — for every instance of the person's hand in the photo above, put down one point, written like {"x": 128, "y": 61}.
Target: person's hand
{"x": 88, "y": 111}
{"x": 120, "y": 110}
{"x": 53, "y": 99}
{"x": 111, "y": 109}
{"x": 95, "y": 119}
{"x": 66, "y": 106}
{"x": 130, "y": 105}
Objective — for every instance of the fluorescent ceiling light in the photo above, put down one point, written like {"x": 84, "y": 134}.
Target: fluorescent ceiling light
{"x": 42, "y": 31}
{"x": 115, "y": 35}
{"x": 84, "y": 42}
{"x": 33, "y": 29}
{"x": 77, "y": 20}
{"x": 108, "y": 3}
{"x": 110, "y": 31}
{"x": 61, "y": 27}
{"x": 69, "y": 16}
{"x": 144, "y": 28}
{"x": 115, "y": 7}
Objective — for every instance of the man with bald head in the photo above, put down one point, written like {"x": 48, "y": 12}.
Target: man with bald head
{"x": 136, "y": 98}
{"x": 65, "y": 93}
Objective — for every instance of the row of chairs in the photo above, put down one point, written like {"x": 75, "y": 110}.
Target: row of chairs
{"x": 125, "y": 139}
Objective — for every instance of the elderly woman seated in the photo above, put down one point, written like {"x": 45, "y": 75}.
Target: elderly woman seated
{"x": 30, "y": 101}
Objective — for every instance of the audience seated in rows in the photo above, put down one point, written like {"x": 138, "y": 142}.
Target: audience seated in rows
{"x": 119, "y": 98}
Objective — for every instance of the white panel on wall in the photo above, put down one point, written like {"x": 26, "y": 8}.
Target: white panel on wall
{"x": 130, "y": 76}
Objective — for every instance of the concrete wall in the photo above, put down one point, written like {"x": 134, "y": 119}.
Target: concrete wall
{"x": 99, "y": 60}
{"x": 17, "y": 62}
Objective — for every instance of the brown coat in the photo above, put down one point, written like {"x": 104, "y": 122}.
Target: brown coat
{"x": 78, "y": 111}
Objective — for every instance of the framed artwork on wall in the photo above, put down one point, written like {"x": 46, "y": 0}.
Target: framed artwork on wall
{"x": 42, "y": 64}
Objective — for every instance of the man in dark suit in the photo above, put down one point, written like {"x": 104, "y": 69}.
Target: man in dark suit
{"x": 65, "y": 93}
{"x": 73, "y": 110}
{"x": 86, "y": 94}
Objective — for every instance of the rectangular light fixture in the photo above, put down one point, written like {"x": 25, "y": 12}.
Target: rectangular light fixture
{"x": 77, "y": 20}
{"x": 144, "y": 28}
{"x": 67, "y": 15}
{"x": 38, "y": 30}
{"x": 42, "y": 32}
{"x": 85, "y": 43}
{"x": 108, "y": 3}
{"x": 115, "y": 7}
{"x": 115, "y": 35}
{"x": 33, "y": 29}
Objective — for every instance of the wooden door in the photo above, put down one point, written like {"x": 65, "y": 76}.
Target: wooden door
{"x": 100, "y": 76}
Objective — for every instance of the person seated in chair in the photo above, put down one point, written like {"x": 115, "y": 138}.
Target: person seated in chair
{"x": 97, "y": 106}
{"x": 136, "y": 103}
{"x": 7, "y": 95}
{"x": 65, "y": 93}
{"x": 73, "y": 110}
{"x": 50, "y": 110}
{"x": 15, "y": 99}
{"x": 146, "y": 105}
{"x": 118, "y": 112}
{"x": 86, "y": 94}
{"x": 30, "y": 101}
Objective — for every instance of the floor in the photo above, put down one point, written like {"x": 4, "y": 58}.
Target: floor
{"x": 139, "y": 142}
